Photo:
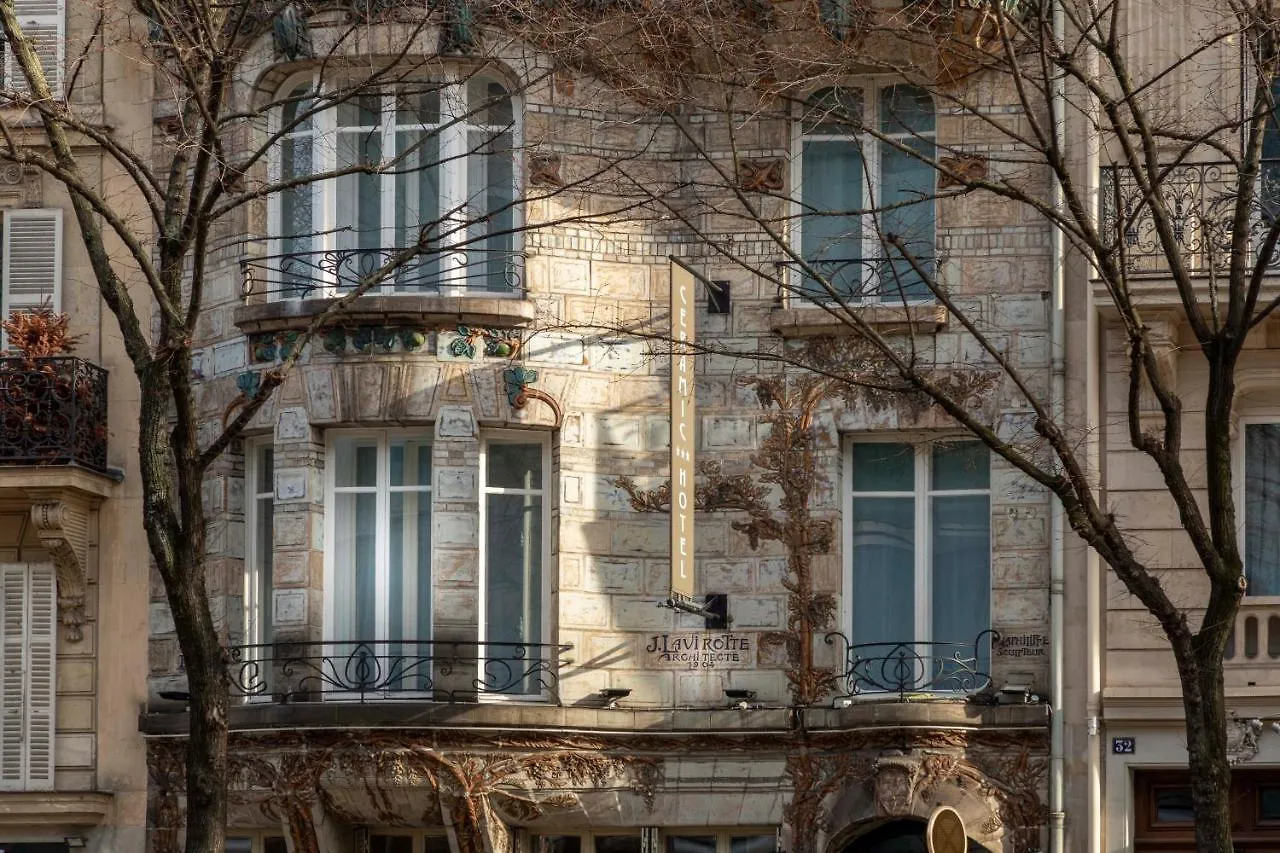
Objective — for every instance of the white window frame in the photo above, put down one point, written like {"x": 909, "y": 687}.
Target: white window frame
{"x": 454, "y": 169}
{"x": 28, "y": 667}
{"x": 1240, "y": 473}
{"x": 870, "y": 146}
{"x": 383, "y": 489}
{"x": 923, "y": 546}
{"x": 543, "y": 439}
{"x": 255, "y": 605}
{"x": 53, "y": 216}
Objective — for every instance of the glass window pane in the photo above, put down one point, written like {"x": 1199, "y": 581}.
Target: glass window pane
{"x": 410, "y": 569}
{"x": 417, "y": 187}
{"x": 1173, "y": 805}
{"x": 355, "y": 566}
{"x": 410, "y": 462}
{"x": 488, "y": 103}
{"x": 906, "y": 109}
{"x": 513, "y": 557}
{"x": 418, "y": 103}
{"x": 832, "y": 177}
{"x": 265, "y": 464}
{"x": 491, "y": 195}
{"x": 360, "y": 111}
{"x": 390, "y": 844}
{"x": 274, "y": 844}
{"x": 834, "y": 111}
{"x": 436, "y": 844}
{"x": 557, "y": 844}
{"x": 359, "y": 206}
{"x": 883, "y": 467}
{"x": 691, "y": 844}
{"x": 617, "y": 844}
{"x": 961, "y": 465}
{"x": 1269, "y": 802}
{"x": 753, "y": 844}
{"x": 355, "y": 462}
{"x": 513, "y": 466}
{"x": 907, "y": 196}
{"x": 883, "y": 586}
{"x": 1262, "y": 508}
{"x": 961, "y": 579}
{"x": 239, "y": 845}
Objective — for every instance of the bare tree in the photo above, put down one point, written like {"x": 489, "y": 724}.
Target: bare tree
{"x": 191, "y": 187}
{"x": 1072, "y": 121}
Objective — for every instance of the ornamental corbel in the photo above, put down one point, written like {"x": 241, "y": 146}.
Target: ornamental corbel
{"x": 63, "y": 528}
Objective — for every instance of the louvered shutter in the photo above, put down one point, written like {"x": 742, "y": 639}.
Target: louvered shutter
{"x": 31, "y": 263}
{"x": 28, "y": 650}
{"x": 13, "y": 661}
{"x": 43, "y": 22}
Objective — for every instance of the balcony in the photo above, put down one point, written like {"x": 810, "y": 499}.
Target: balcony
{"x": 1252, "y": 657}
{"x": 369, "y": 671}
{"x": 53, "y": 411}
{"x": 908, "y": 668}
{"x": 1201, "y": 200}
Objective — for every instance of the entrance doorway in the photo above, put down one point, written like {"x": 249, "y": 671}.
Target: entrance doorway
{"x": 897, "y": 836}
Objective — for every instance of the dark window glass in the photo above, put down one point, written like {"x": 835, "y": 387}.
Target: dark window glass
{"x": 235, "y": 845}
{"x": 391, "y": 844}
{"x": 691, "y": 844}
{"x": 617, "y": 844}
{"x": 557, "y": 844}
{"x": 1269, "y": 802}
{"x": 753, "y": 844}
{"x": 436, "y": 844}
{"x": 1173, "y": 805}
{"x": 274, "y": 844}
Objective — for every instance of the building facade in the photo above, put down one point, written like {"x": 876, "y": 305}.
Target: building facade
{"x": 442, "y": 551}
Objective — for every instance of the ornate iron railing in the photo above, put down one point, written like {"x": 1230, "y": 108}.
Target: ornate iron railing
{"x": 53, "y": 411}
{"x": 1201, "y": 200}
{"x": 469, "y": 271}
{"x": 400, "y": 669}
{"x": 879, "y": 280}
{"x": 909, "y": 667}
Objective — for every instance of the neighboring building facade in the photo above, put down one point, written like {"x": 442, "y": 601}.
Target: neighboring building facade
{"x": 445, "y": 610}
{"x": 73, "y": 587}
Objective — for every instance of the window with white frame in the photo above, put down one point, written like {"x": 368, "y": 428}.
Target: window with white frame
{"x": 1262, "y": 508}
{"x": 28, "y": 619}
{"x": 379, "y": 530}
{"x": 919, "y": 546}
{"x": 30, "y": 262}
{"x": 443, "y": 178}
{"x": 857, "y": 187}
{"x": 259, "y": 552}
{"x": 514, "y": 473}
{"x": 43, "y": 25}
{"x": 255, "y": 843}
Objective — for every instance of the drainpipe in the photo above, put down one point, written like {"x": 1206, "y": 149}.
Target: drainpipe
{"x": 1057, "y": 337}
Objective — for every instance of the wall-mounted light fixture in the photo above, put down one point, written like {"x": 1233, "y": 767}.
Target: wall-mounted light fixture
{"x": 611, "y": 695}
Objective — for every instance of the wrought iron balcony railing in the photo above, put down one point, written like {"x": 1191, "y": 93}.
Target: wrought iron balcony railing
{"x": 368, "y": 670}
{"x": 910, "y": 667}
{"x": 888, "y": 281}
{"x": 1201, "y": 200}
{"x": 303, "y": 275}
{"x": 53, "y": 411}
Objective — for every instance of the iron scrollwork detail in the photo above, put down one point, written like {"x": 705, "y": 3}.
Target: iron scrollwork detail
{"x": 909, "y": 667}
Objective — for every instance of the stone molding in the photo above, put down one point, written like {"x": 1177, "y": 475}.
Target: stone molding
{"x": 813, "y": 320}
{"x": 49, "y": 808}
{"x": 61, "y": 520}
{"x": 297, "y": 314}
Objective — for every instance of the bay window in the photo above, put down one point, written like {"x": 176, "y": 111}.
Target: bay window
{"x": 855, "y": 188}
{"x": 919, "y": 536}
{"x": 438, "y": 160}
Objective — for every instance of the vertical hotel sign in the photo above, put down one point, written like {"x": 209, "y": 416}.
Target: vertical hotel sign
{"x": 682, "y": 433}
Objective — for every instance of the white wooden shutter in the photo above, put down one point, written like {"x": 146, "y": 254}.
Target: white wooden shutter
{"x": 31, "y": 260}
{"x": 28, "y": 648}
{"x": 43, "y": 22}
{"x": 13, "y": 660}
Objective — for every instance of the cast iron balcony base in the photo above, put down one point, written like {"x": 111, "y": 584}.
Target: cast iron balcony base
{"x": 908, "y": 667}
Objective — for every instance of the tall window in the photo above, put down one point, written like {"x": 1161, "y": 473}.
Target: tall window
{"x": 28, "y": 618}
{"x": 380, "y": 545}
{"x": 260, "y": 506}
{"x": 514, "y": 526}
{"x": 30, "y": 262}
{"x": 443, "y": 158}
{"x": 856, "y": 189}
{"x": 1262, "y": 508}
{"x": 920, "y": 545}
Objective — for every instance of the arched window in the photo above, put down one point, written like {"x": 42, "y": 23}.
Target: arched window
{"x": 427, "y": 161}
{"x": 857, "y": 188}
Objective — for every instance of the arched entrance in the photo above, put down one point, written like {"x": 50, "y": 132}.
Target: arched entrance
{"x": 896, "y": 836}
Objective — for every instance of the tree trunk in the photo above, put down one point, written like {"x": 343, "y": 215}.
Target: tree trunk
{"x": 1204, "y": 704}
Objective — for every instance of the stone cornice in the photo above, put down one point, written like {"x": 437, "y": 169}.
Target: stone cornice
{"x": 49, "y": 808}
{"x": 297, "y": 314}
